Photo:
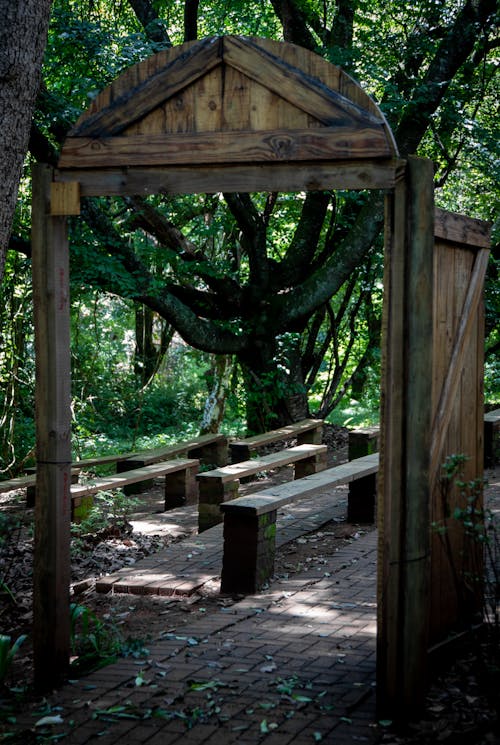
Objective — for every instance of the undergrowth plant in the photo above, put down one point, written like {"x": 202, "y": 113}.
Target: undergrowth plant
{"x": 95, "y": 643}
{"x": 111, "y": 509}
{"x": 475, "y": 579}
{"x": 8, "y": 651}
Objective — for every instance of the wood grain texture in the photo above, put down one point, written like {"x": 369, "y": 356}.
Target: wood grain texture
{"x": 51, "y": 568}
{"x": 140, "y": 98}
{"x": 210, "y": 179}
{"x": 341, "y": 143}
{"x": 227, "y": 85}
{"x": 459, "y": 229}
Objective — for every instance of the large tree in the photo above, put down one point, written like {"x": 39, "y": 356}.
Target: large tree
{"x": 237, "y": 282}
{"x": 23, "y": 35}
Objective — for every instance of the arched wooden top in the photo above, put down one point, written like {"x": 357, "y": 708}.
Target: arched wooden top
{"x": 229, "y": 100}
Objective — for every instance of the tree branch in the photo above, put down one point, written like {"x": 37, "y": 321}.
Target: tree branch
{"x": 151, "y": 22}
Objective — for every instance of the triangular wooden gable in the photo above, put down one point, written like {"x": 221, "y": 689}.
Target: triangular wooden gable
{"x": 229, "y": 100}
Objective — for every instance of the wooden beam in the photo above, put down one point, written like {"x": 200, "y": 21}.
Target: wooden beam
{"x": 51, "y": 570}
{"x": 248, "y": 178}
{"x": 390, "y": 479}
{"x": 328, "y": 143}
{"x": 453, "y": 377}
{"x": 406, "y": 417}
{"x": 466, "y": 231}
{"x": 415, "y": 572}
{"x": 152, "y": 92}
{"x": 65, "y": 198}
{"x": 295, "y": 86}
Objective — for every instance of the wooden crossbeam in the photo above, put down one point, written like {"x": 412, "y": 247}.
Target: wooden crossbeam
{"x": 328, "y": 143}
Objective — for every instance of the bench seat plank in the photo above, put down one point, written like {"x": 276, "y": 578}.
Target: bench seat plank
{"x": 281, "y": 494}
{"x": 116, "y": 481}
{"x": 21, "y": 482}
{"x": 264, "y": 463}
{"x": 306, "y": 431}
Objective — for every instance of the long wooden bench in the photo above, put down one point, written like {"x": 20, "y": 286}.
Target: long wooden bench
{"x": 180, "y": 484}
{"x": 28, "y": 482}
{"x": 20, "y": 482}
{"x": 250, "y": 523}
{"x": 221, "y": 484}
{"x": 210, "y": 449}
{"x": 307, "y": 431}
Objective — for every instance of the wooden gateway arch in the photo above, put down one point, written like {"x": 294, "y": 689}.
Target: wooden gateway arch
{"x": 244, "y": 114}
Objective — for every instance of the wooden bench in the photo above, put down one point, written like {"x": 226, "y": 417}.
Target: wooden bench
{"x": 210, "y": 449}
{"x": 250, "y": 523}
{"x": 221, "y": 484}
{"x": 307, "y": 431}
{"x": 180, "y": 484}
{"x": 492, "y": 438}
{"x": 20, "y": 482}
{"x": 362, "y": 491}
{"x": 28, "y": 482}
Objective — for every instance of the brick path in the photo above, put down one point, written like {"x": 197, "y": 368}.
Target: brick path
{"x": 295, "y": 663}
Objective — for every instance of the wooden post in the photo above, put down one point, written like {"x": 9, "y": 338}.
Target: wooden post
{"x": 405, "y": 446}
{"x": 51, "y": 571}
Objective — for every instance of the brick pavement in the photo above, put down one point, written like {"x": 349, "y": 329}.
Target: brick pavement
{"x": 293, "y": 664}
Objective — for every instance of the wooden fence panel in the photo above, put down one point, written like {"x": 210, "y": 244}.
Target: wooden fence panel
{"x": 458, "y": 338}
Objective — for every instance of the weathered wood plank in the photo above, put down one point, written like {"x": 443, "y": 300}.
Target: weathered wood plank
{"x": 390, "y": 479}
{"x": 264, "y": 463}
{"x": 342, "y": 143}
{"x": 460, "y": 229}
{"x": 65, "y": 198}
{"x": 51, "y": 568}
{"x": 445, "y": 408}
{"x": 295, "y": 86}
{"x": 117, "y": 481}
{"x": 415, "y": 570}
{"x": 281, "y": 494}
{"x": 134, "y": 104}
{"x": 210, "y": 179}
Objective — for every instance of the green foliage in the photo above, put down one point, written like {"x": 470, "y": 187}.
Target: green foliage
{"x": 8, "y": 651}
{"x": 110, "y": 509}
{"x": 480, "y": 529}
{"x": 95, "y": 643}
{"x": 389, "y": 48}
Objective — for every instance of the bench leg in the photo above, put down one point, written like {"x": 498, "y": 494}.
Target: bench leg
{"x": 211, "y": 496}
{"x": 81, "y": 507}
{"x": 362, "y": 499}
{"x": 249, "y": 550}
{"x": 363, "y": 441}
{"x": 214, "y": 454}
{"x": 491, "y": 443}
{"x": 181, "y": 488}
{"x": 311, "y": 465}
{"x": 240, "y": 453}
{"x": 140, "y": 486}
{"x": 312, "y": 437}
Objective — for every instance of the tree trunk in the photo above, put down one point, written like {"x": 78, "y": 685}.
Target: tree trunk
{"x": 23, "y": 35}
{"x": 222, "y": 368}
{"x": 275, "y": 391}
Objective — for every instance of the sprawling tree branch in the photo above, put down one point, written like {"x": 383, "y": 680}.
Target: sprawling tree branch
{"x": 151, "y": 22}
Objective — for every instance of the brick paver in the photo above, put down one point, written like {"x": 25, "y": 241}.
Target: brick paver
{"x": 292, "y": 664}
